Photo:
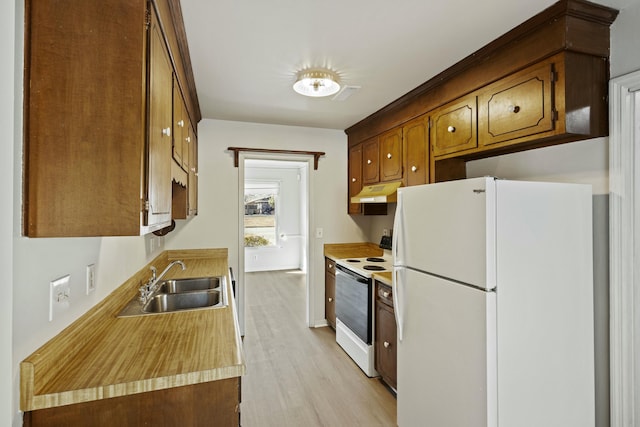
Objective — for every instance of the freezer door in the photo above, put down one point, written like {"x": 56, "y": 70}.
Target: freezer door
{"x": 447, "y": 359}
{"x": 448, "y": 229}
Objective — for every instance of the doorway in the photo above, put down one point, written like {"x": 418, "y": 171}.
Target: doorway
{"x": 273, "y": 220}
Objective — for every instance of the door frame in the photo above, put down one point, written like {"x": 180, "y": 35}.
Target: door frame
{"x": 307, "y": 203}
{"x": 624, "y": 257}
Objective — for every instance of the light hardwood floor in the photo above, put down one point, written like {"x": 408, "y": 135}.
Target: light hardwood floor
{"x": 296, "y": 375}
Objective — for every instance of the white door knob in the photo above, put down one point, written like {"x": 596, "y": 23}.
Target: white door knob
{"x": 414, "y": 168}
{"x": 353, "y": 180}
{"x": 388, "y": 155}
{"x": 330, "y": 299}
{"x": 386, "y": 344}
{"x": 451, "y": 129}
{"x": 166, "y": 131}
{"x": 368, "y": 162}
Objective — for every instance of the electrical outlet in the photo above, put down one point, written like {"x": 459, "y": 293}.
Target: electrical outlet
{"x": 319, "y": 233}
{"x": 59, "y": 293}
{"x": 91, "y": 278}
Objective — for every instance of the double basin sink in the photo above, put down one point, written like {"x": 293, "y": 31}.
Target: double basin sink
{"x": 175, "y": 295}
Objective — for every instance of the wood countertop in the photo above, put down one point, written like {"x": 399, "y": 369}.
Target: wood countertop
{"x": 384, "y": 277}
{"x": 101, "y": 356}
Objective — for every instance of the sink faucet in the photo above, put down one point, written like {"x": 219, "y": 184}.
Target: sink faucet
{"x": 151, "y": 286}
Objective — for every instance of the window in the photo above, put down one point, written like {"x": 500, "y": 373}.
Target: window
{"x": 260, "y": 205}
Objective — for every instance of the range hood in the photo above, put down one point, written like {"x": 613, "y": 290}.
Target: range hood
{"x": 385, "y": 192}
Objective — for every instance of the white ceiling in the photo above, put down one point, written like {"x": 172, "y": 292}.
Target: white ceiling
{"x": 246, "y": 53}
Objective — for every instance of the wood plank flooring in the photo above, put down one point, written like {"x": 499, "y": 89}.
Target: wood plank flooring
{"x": 296, "y": 375}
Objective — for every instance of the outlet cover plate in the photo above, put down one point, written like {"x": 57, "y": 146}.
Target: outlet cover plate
{"x": 91, "y": 278}
{"x": 59, "y": 293}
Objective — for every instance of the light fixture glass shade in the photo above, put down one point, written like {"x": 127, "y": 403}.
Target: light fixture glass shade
{"x": 316, "y": 83}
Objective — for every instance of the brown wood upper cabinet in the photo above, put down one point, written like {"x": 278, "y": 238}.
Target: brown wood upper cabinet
{"x": 160, "y": 102}
{"x": 355, "y": 177}
{"x": 542, "y": 83}
{"x": 370, "y": 161}
{"x": 391, "y": 155}
{"x": 98, "y": 109}
{"x": 415, "y": 150}
{"x": 517, "y": 106}
{"x": 453, "y": 126}
{"x": 192, "y": 142}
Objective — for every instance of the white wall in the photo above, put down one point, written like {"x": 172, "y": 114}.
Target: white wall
{"x": 287, "y": 253}
{"x": 217, "y": 221}
{"x": 8, "y": 102}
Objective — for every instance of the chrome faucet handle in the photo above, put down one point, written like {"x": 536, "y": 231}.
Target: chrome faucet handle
{"x": 153, "y": 273}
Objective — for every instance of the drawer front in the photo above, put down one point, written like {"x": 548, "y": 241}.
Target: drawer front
{"x": 453, "y": 127}
{"x": 385, "y": 294}
{"x": 517, "y": 106}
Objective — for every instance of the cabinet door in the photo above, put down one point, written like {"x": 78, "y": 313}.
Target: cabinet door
{"x": 160, "y": 128}
{"x": 355, "y": 177}
{"x": 192, "y": 149}
{"x": 179, "y": 128}
{"x": 370, "y": 163}
{"x": 386, "y": 341}
{"x": 391, "y": 155}
{"x": 453, "y": 127}
{"x": 517, "y": 106}
{"x": 416, "y": 155}
{"x": 330, "y": 292}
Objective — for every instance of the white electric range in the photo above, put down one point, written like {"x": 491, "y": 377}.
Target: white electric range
{"x": 355, "y": 307}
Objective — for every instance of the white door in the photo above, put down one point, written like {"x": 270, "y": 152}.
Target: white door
{"x": 448, "y": 229}
{"x": 446, "y": 359}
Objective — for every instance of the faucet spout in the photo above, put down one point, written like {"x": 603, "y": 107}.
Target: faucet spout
{"x": 147, "y": 290}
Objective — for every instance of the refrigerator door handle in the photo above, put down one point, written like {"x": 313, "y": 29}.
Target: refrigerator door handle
{"x": 398, "y": 300}
{"x": 398, "y": 231}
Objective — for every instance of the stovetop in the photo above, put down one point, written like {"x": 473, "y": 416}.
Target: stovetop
{"x": 367, "y": 266}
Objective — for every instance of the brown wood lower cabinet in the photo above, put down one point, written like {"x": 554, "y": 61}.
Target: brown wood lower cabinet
{"x": 330, "y": 292}
{"x": 386, "y": 337}
{"x": 215, "y": 403}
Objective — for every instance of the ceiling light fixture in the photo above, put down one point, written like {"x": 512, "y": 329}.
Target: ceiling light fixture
{"x": 316, "y": 83}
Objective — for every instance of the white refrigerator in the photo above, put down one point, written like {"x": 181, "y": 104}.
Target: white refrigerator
{"x": 493, "y": 295}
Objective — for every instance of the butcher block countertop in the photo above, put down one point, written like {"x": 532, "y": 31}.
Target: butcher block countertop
{"x": 101, "y": 356}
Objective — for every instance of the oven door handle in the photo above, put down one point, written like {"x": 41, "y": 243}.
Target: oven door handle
{"x": 343, "y": 270}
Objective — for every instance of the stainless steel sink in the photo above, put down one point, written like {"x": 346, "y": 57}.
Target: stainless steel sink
{"x": 165, "y": 303}
{"x": 174, "y": 295}
{"x": 189, "y": 285}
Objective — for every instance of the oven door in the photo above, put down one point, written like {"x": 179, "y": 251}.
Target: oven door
{"x": 353, "y": 302}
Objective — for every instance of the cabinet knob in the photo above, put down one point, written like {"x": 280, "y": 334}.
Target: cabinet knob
{"x": 368, "y": 162}
{"x": 385, "y": 294}
{"x": 451, "y": 129}
{"x": 330, "y": 265}
{"x": 353, "y": 180}
{"x": 330, "y": 299}
{"x": 166, "y": 131}
{"x": 513, "y": 108}
{"x": 388, "y": 155}
{"x": 386, "y": 344}
{"x": 181, "y": 123}
{"x": 414, "y": 168}
{"x": 188, "y": 139}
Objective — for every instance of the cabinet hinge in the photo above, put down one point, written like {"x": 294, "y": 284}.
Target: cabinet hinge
{"x": 554, "y": 115}
{"x": 553, "y": 76}
{"x": 144, "y": 205}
